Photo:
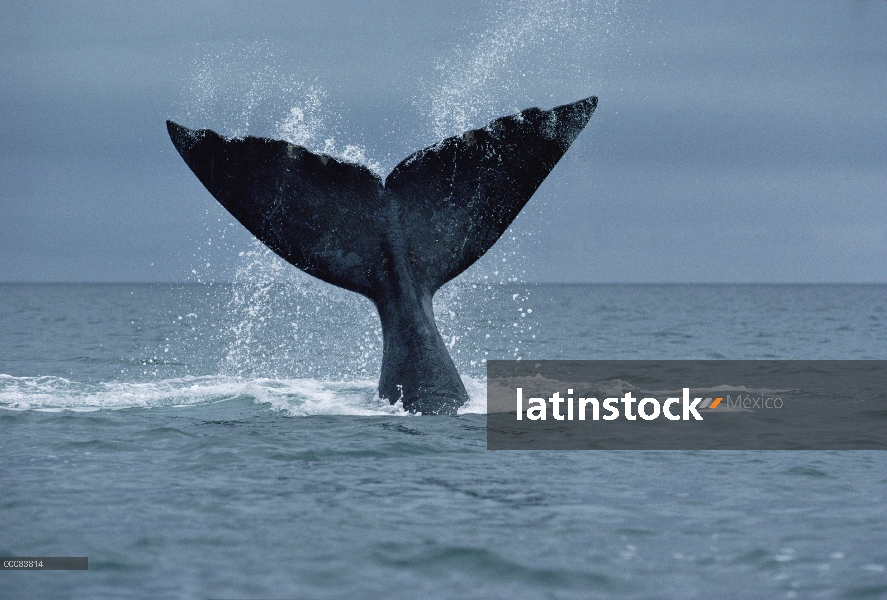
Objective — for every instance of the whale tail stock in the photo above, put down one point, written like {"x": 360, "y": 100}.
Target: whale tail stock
{"x": 395, "y": 242}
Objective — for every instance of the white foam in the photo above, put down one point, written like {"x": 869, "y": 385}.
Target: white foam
{"x": 293, "y": 397}
{"x": 477, "y": 394}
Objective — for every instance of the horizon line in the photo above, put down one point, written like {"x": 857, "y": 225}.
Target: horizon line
{"x": 577, "y": 283}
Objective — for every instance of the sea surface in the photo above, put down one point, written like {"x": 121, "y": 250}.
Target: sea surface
{"x": 226, "y": 441}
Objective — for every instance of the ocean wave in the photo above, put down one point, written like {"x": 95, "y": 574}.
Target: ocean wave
{"x": 292, "y": 397}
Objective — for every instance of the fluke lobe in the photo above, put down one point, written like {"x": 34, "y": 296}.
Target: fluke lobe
{"x": 398, "y": 241}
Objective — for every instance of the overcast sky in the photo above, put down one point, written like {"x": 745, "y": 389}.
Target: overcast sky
{"x": 733, "y": 142}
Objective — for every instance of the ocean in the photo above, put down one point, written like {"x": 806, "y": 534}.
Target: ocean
{"x": 225, "y": 441}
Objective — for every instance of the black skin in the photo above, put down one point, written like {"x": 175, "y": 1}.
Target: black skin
{"x": 395, "y": 242}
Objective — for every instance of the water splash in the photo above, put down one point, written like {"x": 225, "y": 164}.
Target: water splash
{"x": 239, "y": 91}
{"x": 280, "y": 324}
{"x": 292, "y": 397}
{"x": 275, "y": 326}
{"x": 532, "y": 52}
{"x": 303, "y": 123}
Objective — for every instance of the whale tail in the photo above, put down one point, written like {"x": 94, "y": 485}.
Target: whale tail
{"x": 395, "y": 242}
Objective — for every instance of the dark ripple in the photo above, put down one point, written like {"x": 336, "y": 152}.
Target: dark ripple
{"x": 490, "y": 567}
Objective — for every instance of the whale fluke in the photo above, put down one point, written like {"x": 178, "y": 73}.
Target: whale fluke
{"x": 398, "y": 241}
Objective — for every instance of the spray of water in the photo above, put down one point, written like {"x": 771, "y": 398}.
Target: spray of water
{"x": 241, "y": 91}
{"x": 284, "y": 323}
{"x": 278, "y": 319}
{"x": 531, "y": 52}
